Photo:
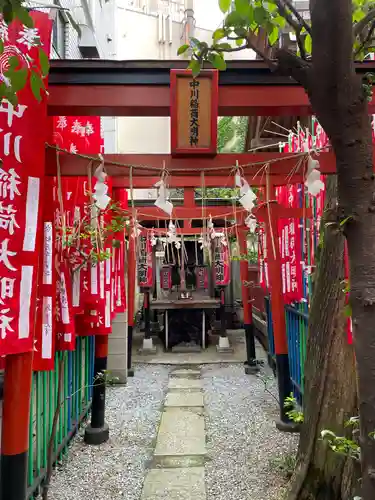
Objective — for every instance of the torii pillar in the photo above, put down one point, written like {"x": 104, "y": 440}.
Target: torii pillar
{"x": 269, "y": 213}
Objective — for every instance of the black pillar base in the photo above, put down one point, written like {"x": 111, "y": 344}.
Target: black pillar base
{"x": 98, "y": 431}
{"x": 95, "y": 435}
{"x": 290, "y": 427}
{"x": 250, "y": 343}
{"x": 13, "y": 474}
{"x": 130, "y": 347}
{"x": 285, "y": 388}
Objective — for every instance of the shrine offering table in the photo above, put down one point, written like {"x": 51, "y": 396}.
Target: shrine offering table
{"x": 175, "y": 304}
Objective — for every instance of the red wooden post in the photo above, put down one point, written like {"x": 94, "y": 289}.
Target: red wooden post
{"x": 15, "y": 425}
{"x": 98, "y": 431}
{"x": 270, "y": 213}
{"x": 131, "y": 297}
{"x": 251, "y": 366}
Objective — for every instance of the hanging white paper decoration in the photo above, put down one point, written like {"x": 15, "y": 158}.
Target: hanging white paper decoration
{"x": 313, "y": 181}
{"x": 100, "y": 195}
{"x": 162, "y": 201}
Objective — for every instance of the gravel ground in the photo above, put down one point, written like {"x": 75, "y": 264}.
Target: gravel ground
{"x": 243, "y": 443}
{"x": 116, "y": 470}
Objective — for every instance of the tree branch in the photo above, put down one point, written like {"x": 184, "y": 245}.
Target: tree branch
{"x": 252, "y": 43}
{"x": 282, "y": 6}
{"x": 297, "y": 26}
{"x": 291, "y": 65}
{"x": 361, "y": 25}
{"x": 367, "y": 40}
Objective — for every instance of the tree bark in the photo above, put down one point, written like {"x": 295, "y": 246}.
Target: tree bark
{"x": 330, "y": 388}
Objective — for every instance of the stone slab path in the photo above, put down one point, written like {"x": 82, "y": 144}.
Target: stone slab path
{"x": 177, "y": 470}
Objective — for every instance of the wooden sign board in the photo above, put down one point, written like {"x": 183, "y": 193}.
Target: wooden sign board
{"x": 194, "y": 112}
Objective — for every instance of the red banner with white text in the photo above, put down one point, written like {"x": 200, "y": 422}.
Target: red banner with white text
{"x": 24, "y": 130}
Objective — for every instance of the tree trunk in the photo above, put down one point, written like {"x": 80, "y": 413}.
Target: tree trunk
{"x": 339, "y": 101}
{"x": 330, "y": 388}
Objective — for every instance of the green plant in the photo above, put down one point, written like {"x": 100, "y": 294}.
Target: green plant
{"x": 293, "y": 413}
{"x": 285, "y": 465}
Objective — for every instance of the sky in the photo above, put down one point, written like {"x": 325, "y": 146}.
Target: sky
{"x": 208, "y": 14}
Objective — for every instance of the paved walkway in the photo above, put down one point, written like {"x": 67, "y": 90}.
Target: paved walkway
{"x": 177, "y": 470}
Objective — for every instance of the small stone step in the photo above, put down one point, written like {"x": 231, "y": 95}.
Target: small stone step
{"x": 186, "y": 373}
{"x": 181, "y": 432}
{"x": 184, "y": 399}
{"x": 181, "y": 384}
{"x": 175, "y": 484}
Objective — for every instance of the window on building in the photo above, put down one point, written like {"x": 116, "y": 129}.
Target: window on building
{"x": 59, "y": 35}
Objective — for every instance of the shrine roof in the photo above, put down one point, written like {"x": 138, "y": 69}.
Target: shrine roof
{"x": 154, "y": 72}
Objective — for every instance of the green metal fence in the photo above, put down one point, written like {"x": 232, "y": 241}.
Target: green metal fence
{"x": 76, "y": 395}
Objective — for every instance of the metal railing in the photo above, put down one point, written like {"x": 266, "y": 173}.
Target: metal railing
{"x": 75, "y": 404}
{"x": 297, "y": 328}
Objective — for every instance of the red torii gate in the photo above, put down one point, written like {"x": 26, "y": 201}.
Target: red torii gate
{"x": 183, "y": 172}
{"x": 86, "y": 95}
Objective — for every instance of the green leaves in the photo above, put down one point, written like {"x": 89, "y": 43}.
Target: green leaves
{"x": 24, "y": 16}
{"x": 183, "y": 49}
{"x": 217, "y": 61}
{"x": 308, "y": 44}
{"x": 243, "y": 7}
{"x": 225, "y": 5}
{"x": 18, "y": 79}
{"x": 218, "y": 34}
{"x": 44, "y": 62}
{"x": 36, "y": 84}
{"x": 273, "y": 36}
{"x": 260, "y": 15}
{"x": 195, "y": 67}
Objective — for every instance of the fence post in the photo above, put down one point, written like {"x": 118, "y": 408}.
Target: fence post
{"x": 15, "y": 426}
{"x": 132, "y": 275}
{"x": 251, "y": 365}
{"x": 98, "y": 431}
{"x": 279, "y": 323}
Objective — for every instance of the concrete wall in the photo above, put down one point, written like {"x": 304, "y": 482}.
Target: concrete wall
{"x": 148, "y": 36}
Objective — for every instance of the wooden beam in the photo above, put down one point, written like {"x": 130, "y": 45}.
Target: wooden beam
{"x": 154, "y": 213}
{"x": 220, "y": 165}
{"x": 219, "y": 181}
{"x": 154, "y": 100}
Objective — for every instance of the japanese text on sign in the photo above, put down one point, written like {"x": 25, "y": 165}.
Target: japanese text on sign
{"x": 194, "y": 112}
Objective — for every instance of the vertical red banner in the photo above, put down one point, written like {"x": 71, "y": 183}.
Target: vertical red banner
{"x": 24, "y": 130}
{"x": 45, "y": 329}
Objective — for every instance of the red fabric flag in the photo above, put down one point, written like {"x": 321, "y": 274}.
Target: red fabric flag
{"x": 22, "y": 147}
{"x": 45, "y": 330}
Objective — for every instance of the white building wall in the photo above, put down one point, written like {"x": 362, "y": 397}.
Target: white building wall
{"x": 145, "y": 35}
{"x": 79, "y": 18}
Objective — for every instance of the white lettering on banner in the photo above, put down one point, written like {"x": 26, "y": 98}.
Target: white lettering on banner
{"x": 29, "y": 37}
{"x": 64, "y": 300}
{"x": 8, "y": 108}
{"x": 119, "y": 302}
{"x": 8, "y": 218}
{"x": 5, "y": 254}
{"x": 6, "y": 288}
{"x": 108, "y": 269}
{"x": 4, "y": 36}
{"x": 67, "y": 337}
{"x": 25, "y": 302}
{"x": 107, "y": 309}
{"x": 48, "y": 254}
{"x": 32, "y": 206}
{"x": 5, "y": 322}
{"x": 101, "y": 282}
{"x": 9, "y": 184}
{"x": 16, "y": 146}
{"x": 94, "y": 279}
{"x": 47, "y": 328}
{"x": 76, "y": 287}
{"x": 62, "y": 122}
